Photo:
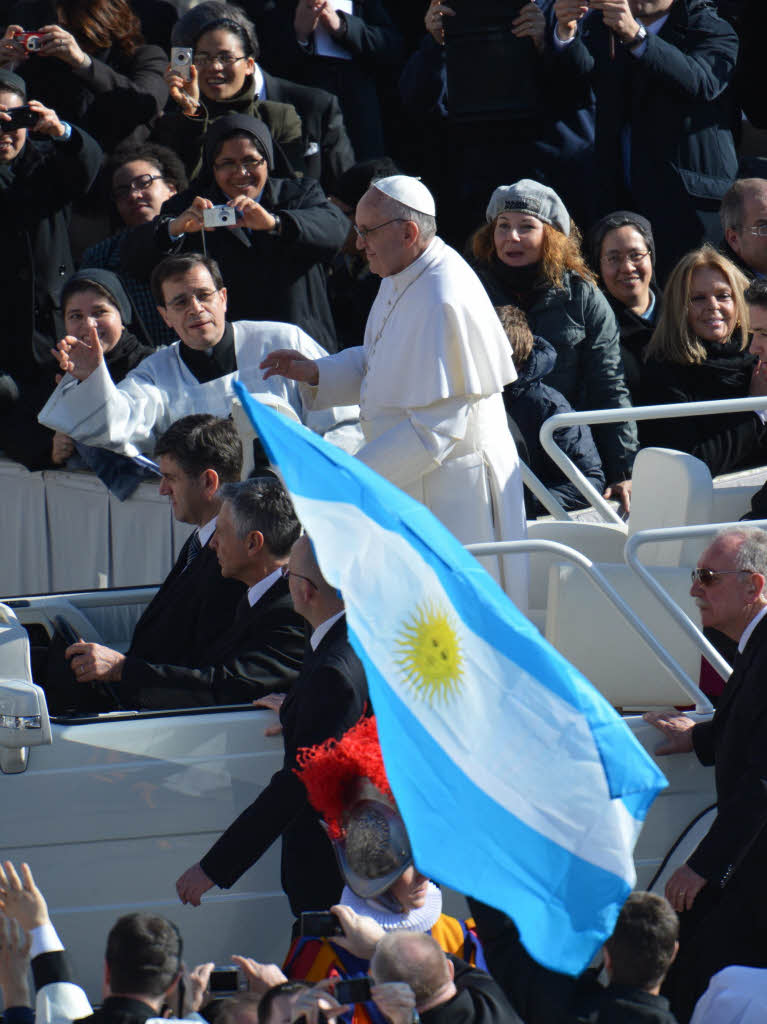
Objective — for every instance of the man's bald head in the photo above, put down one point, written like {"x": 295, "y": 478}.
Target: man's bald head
{"x": 313, "y": 597}
{"x": 417, "y": 960}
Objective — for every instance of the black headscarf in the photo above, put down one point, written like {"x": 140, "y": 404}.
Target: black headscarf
{"x": 110, "y": 283}
{"x": 228, "y": 125}
{"x": 619, "y": 219}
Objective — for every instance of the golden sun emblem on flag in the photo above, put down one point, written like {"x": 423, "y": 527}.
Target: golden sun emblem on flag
{"x": 429, "y": 654}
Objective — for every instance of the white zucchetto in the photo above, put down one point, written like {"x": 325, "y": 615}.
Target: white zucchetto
{"x": 408, "y": 191}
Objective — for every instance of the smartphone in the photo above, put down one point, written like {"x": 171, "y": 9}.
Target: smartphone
{"x": 224, "y": 981}
{"x": 181, "y": 60}
{"x": 21, "y": 117}
{"x": 355, "y": 990}
{"x": 320, "y": 923}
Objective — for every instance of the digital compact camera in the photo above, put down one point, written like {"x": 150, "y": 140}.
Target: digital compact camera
{"x": 220, "y": 217}
{"x": 31, "y": 41}
{"x": 181, "y": 59}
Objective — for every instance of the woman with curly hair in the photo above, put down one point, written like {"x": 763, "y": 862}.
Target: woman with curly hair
{"x": 92, "y": 66}
{"x": 699, "y": 353}
{"x": 528, "y": 254}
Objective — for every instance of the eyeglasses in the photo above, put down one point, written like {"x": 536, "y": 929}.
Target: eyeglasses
{"x": 364, "y": 232}
{"x": 135, "y": 185}
{"x": 708, "y": 576}
{"x": 286, "y": 574}
{"x": 616, "y": 259}
{"x": 226, "y": 60}
{"x": 249, "y": 165}
{"x": 181, "y": 302}
{"x": 759, "y": 229}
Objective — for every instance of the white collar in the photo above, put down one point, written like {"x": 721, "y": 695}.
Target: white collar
{"x": 259, "y": 83}
{"x": 746, "y": 634}
{"x": 324, "y": 628}
{"x": 206, "y": 532}
{"x": 257, "y": 591}
{"x": 422, "y": 919}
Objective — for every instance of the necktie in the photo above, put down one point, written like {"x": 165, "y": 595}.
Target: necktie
{"x": 193, "y": 548}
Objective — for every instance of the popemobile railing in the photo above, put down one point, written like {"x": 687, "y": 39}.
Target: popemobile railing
{"x": 596, "y": 417}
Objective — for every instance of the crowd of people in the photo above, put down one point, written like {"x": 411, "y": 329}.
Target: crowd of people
{"x": 226, "y": 192}
{"x": 250, "y": 134}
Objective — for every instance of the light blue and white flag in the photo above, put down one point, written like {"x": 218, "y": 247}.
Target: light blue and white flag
{"x": 518, "y": 783}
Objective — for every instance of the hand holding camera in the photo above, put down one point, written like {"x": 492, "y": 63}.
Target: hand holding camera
{"x": 55, "y": 41}
{"x": 182, "y": 79}
{"x": 360, "y": 934}
{"x": 252, "y": 215}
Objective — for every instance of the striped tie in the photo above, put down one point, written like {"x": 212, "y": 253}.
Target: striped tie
{"x": 194, "y": 547}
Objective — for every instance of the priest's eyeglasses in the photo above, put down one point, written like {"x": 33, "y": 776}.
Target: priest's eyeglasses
{"x": 364, "y": 232}
{"x": 286, "y": 574}
{"x": 708, "y": 576}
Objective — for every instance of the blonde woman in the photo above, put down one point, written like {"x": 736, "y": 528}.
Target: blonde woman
{"x": 699, "y": 353}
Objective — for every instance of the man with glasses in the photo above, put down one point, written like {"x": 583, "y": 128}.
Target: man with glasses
{"x": 195, "y": 374}
{"x": 744, "y": 222}
{"x": 721, "y": 892}
{"x": 328, "y": 698}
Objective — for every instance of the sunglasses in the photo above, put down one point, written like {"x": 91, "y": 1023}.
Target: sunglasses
{"x": 708, "y": 576}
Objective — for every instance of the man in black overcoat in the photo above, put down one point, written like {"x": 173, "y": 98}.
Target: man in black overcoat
{"x": 328, "y": 697}
{"x": 721, "y": 892}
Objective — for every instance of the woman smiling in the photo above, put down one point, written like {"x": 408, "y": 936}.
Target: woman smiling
{"x": 698, "y": 353}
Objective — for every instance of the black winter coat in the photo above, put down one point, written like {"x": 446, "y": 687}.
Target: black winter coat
{"x": 267, "y": 277}
{"x": 530, "y": 402}
{"x": 676, "y": 99}
{"x": 725, "y": 442}
{"x": 635, "y": 332}
{"x": 372, "y": 42}
{"x": 116, "y": 99}
{"x": 36, "y": 257}
{"x": 327, "y": 151}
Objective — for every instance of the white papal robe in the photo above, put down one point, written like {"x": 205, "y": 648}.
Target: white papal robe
{"x": 129, "y": 416}
{"x": 429, "y": 380}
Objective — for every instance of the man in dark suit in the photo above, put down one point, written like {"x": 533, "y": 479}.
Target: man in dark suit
{"x": 195, "y": 603}
{"x": 260, "y": 650}
{"x": 721, "y": 892}
{"x": 328, "y": 697}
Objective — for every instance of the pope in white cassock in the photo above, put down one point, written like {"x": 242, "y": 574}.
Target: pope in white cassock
{"x": 195, "y": 374}
{"x": 428, "y": 378}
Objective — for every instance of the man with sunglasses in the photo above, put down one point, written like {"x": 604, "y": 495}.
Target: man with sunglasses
{"x": 328, "y": 698}
{"x": 721, "y": 892}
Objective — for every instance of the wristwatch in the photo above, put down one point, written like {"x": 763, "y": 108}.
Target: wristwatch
{"x": 638, "y": 38}
{"x": 277, "y": 229}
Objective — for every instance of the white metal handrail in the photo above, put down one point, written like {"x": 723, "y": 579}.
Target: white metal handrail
{"x": 548, "y": 499}
{"x": 631, "y": 554}
{"x": 629, "y": 413}
{"x": 690, "y": 687}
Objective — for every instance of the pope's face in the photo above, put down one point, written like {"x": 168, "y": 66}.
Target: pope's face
{"x": 383, "y": 239}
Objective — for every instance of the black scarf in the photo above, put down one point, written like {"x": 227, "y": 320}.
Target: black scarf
{"x": 214, "y": 362}
{"x": 519, "y": 283}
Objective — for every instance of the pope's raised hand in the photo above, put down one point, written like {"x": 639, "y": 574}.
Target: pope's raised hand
{"x": 286, "y": 362}
{"x": 80, "y": 358}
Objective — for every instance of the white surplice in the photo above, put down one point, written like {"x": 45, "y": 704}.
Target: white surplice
{"x": 429, "y": 380}
{"x": 129, "y": 416}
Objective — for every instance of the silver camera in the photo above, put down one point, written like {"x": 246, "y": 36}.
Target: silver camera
{"x": 220, "y": 217}
{"x": 181, "y": 59}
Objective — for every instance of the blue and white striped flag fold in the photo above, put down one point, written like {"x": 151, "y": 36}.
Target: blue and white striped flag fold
{"x": 518, "y": 783}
